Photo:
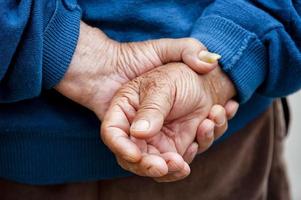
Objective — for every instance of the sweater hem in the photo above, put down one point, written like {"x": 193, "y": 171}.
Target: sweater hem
{"x": 47, "y": 158}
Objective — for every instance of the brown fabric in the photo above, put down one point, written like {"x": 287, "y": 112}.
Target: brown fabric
{"x": 77, "y": 191}
{"x": 278, "y": 178}
{"x": 249, "y": 165}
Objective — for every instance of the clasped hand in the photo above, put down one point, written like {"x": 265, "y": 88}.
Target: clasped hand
{"x": 156, "y": 114}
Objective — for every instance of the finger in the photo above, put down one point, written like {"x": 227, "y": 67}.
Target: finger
{"x": 231, "y": 108}
{"x": 218, "y": 115}
{"x": 174, "y": 161}
{"x": 171, "y": 177}
{"x": 205, "y": 135}
{"x": 153, "y": 166}
{"x": 191, "y": 152}
{"x": 150, "y": 166}
{"x": 188, "y": 50}
{"x": 201, "y": 62}
{"x": 220, "y": 130}
{"x": 114, "y": 133}
{"x": 155, "y": 105}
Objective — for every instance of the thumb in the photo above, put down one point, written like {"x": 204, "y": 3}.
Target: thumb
{"x": 154, "y": 108}
{"x": 189, "y": 50}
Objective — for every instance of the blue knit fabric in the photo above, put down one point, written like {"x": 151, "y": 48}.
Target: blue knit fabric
{"x": 47, "y": 139}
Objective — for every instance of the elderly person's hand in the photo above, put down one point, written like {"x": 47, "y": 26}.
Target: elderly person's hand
{"x": 154, "y": 119}
{"x": 101, "y": 65}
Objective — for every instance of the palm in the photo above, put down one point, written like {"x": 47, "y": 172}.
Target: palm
{"x": 188, "y": 106}
{"x": 177, "y": 135}
{"x": 174, "y": 137}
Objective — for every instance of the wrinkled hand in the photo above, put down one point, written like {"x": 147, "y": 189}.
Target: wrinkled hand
{"x": 209, "y": 130}
{"x": 100, "y": 65}
{"x": 155, "y": 118}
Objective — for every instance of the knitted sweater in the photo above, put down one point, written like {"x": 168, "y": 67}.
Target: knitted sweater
{"x": 46, "y": 138}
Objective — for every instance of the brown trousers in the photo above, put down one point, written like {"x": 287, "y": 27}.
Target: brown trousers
{"x": 247, "y": 166}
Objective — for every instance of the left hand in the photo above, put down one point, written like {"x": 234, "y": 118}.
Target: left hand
{"x": 172, "y": 95}
{"x": 100, "y": 65}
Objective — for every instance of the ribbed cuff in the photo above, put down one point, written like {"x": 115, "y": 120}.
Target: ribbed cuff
{"x": 60, "y": 39}
{"x": 243, "y": 54}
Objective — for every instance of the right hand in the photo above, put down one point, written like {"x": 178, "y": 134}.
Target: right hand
{"x": 100, "y": 65}
{"x": 154, "y": 119}
{"x": 210, "y": 129}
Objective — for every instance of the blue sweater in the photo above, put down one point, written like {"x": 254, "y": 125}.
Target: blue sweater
{"x": 45, "y": 138}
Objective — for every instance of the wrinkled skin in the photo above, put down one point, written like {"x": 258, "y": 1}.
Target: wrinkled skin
{"x": 175, "y": 101}
{"x": 100, "y": 66}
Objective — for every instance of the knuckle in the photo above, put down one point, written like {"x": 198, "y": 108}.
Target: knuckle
{"x": 104, "y": 135}
{"x": 195, "y": 42}
{"x": 108, "y": 139}
{"x": 192, "y": 41}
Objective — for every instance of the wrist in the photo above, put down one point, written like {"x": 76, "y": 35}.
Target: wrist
{"x": 220, "y": 86}
{"x": 73, "y": 83}
{"x": 90, "y": 69}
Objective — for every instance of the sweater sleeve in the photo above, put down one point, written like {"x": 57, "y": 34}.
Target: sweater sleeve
{"x": 260, "y": 44}
{"x": 37, "y": 41}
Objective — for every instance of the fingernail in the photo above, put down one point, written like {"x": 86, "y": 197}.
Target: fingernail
{"x": 209, "y": 57}
{"x": 209, "y": 134}
{"x": 140, "y": 125}
{"x": 220, "y": 122}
